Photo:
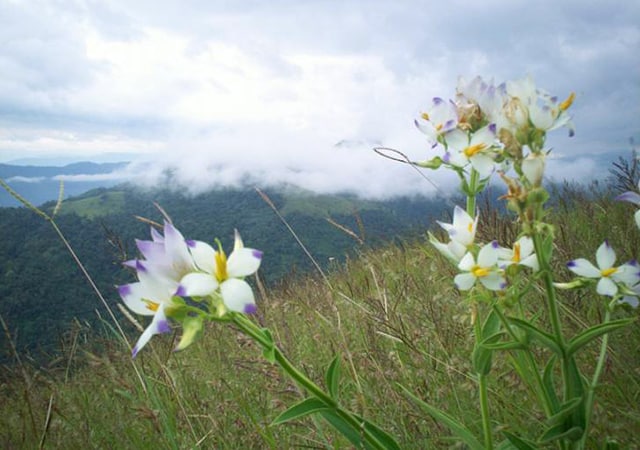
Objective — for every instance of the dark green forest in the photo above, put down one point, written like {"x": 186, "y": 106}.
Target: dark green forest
{"x": 42, "y": 291}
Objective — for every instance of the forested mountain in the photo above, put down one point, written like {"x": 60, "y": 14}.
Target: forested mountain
{"x": 42, "y": 290}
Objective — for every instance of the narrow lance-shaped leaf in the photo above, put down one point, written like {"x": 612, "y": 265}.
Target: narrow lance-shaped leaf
{"x": 382, "y": 436}
{"x": 458, "y": 429}
{"x": 595, "y": 332}
{"x": 332, "y": 377}
{"x": 304, "y": 408}
{"x": 533, "y": 332}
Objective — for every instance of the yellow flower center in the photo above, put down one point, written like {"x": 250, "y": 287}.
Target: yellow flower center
{"x": 470, "y": 227}
{"x": 568, "y": 102}
{"x": 221, "y": 266}
{"x": 151, "y": 306}
{"x": 480, "y": 272}
{"x": 473, "y": 150}
{"x": 608, "y": 272}
{"x": 516, "y": 253}
{"x": 425, "y": 116}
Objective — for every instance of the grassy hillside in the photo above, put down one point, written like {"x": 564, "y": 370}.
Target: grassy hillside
{"x": 391, "y": 314}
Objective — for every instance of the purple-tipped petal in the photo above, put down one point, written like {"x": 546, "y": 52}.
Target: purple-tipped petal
{"x": 257, "y": 254}
{"x": 163, "y": 326}
{"x": 140, "y": 267}
{"x": 437, "y": 100}
{"x": 124, "y": 290}
{"x": 181, "y": 291}
{"x": 492, "y": 128}
{"x": 629, "y": 196}
{"x": 131, "y": 264}
{"x": 250, "y": 308}
{"x": 190, "y": 243}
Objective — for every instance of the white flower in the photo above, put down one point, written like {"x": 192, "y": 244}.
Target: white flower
{"x": 607, "y": 273}
{"x": 463, "y": 229}
{"x": 485, "y": 270}
{"x": 217, "y": 273}
{"x": 522, "y": 253}
{"x": 632, "y": 197}
{"x": 167, "y": 260}
{"x": 441, "y": 118}
{"x": 477, "y": 149}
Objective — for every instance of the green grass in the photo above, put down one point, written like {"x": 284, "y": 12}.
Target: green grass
{"x": 394, "y": 318}
{"x": 101, "y": 204}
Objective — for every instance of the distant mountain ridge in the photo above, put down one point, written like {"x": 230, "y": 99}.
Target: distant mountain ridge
{"x": 40, "y": 184}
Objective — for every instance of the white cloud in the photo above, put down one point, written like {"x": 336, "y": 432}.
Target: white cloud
{"x": 220, "y": 92}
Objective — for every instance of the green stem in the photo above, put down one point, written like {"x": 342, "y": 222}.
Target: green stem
{"x": 249, "y": 328}
{"x": 552, "y": 301}
{"x": 473, "y": 188}
{"x": 530, "y": 360}
{"x": 591, "y": 389}
{"x": 483, "y": 393}
{"x": 474, "y": 178}
{"x": 568, "y": 366}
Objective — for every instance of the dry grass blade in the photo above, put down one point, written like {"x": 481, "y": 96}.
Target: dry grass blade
{"x": 346, "y": 230}
{"x": 268, "y": 201}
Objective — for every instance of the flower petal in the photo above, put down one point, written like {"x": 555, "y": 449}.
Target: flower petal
{"x": 197, "y": 284}
{"x": 243, "y": 262}
{"x": 132, "y": 295}
{"x": 606, "y": 286}
{"x": 583, "y": 268}
{"x": 158, "y": 325}
{"x": 176, "y": 249}
{"x": 467, "y": 262}
{"x": 629, "y": 196}
{"x": 464, "y": 281}
{"x": 204, "y": 256}
{"x": 484, "y": 164}
{"x": 605, "y": 256}
{"x": 494, "y": 282}
{"x": 238, "y": 296}
{"x": 488, "y": 255}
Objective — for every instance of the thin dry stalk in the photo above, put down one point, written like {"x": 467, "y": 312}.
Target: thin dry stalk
{"x": 268, "y": 201}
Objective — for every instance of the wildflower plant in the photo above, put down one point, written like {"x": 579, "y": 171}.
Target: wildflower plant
{"x": 186, "y": 283}
{"x": 500, "y": 130}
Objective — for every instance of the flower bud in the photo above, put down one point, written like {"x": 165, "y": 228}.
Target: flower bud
{"x": 533, "y": 168}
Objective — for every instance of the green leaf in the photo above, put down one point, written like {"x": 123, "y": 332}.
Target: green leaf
{"x": 269, "y": 352}
{"x": 519, "y": 443}
{"x": 508, "y": 345}
{"x": 382, "y": 436}
{"x": 560, "y": 432}
{"x": 191, "y": 329}
{"x": 332, "y": 377}
{"x": 535, "y": 333}
{"x": 595, "y": 332}
{"x": 566, "y": 410}
{"x": 491, "y": 325}
{"x": 482, "y": 355}
{"x": 547, "y": 383}
{"x": 458, "y": 429}
{"x": 304, "y": 408}
{"x": 354, "y": 436}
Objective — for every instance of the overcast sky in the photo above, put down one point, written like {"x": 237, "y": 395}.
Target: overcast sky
{"x": 223, "y": 92}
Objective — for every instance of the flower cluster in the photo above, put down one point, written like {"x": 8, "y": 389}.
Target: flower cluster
{"x": 489, "y": 124}
{"x": 488, "y": 128}
{"x": 487, "y": 263}
{"x": 172, "y": 269}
